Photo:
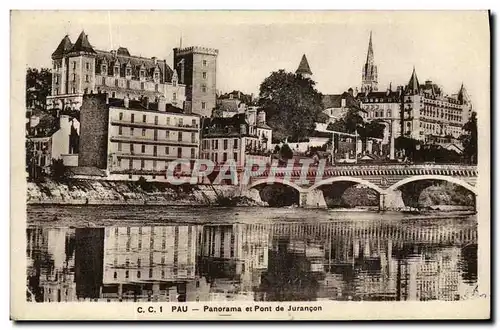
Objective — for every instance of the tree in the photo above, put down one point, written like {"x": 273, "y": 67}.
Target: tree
{"x": 407, "y": 144}
{"x": 58, "y": 170}
{"x": 38, "y": 87}
{"x": 286, "y": 152}
{"x": 292, "y": 105}
{"x": 469, "y": 139}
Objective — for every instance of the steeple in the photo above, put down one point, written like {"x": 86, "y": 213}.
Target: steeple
{"x": 64, "y": 46}
{"x": 413, "y": 86}
{"x": 82, "y": 44}
{"x": 369, "y": 80}
{"x": 369, "y": 55}
{"x": 304, "y": 68}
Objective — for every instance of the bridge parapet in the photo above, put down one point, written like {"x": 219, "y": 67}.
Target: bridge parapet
{"x": 371, "y": 170}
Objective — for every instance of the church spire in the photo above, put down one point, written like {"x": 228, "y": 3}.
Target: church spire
{"x": 369, "y": 81}
{"x": 369, "y": 55}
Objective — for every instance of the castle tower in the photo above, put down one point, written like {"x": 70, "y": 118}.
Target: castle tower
{"x": 304, "y": 70}
{"x": 369, "y": 81}
{"x": 413, "y": 87}
{"x": 80, "y": 65}
{"x": 197, "y": 68}
{"x": 59, "y": 65}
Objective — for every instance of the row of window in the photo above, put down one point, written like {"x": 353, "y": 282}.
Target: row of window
{"x": 435, "y": 114}
{"x": 155, "y": 150}
{"x": 155, "y": 134}
{"x": 174, "y": 122}
{"x": 450, "y": 111}
{"x": 380, "y": 114}
{"x": 214, "y": 156}
{"x": 214, "y": 144}
{"x": 128, "y": 72}
{"x": 175, "y": 271}
{"x": 144, "y": 164}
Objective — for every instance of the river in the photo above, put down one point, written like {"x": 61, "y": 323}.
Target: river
{"x": 154, "y": 253}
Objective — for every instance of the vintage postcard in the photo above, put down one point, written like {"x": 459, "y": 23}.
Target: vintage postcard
{"x": 260, "y": 165}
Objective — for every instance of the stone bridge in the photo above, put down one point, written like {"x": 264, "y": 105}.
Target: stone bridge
{"x": 387, "y": 180}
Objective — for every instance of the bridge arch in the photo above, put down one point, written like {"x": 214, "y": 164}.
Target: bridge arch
{"x": 447, "y": 178}
{"x": 347, "y": 179}
{"x": 268, "y": 181}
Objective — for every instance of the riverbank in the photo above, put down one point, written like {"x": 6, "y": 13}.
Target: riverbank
{"x": 94, "y": 192}
{"x": 442, "y": 198}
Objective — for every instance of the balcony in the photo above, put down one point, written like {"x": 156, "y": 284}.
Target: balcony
{"x": 143, "y": 156}
{"x": 178, "y": 127}
{"x": 145, "y": 140}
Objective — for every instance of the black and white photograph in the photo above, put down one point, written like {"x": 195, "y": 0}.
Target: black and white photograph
{"x": 251, "y": 165}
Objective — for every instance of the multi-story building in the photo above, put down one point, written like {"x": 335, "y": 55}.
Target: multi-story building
{"x": 148, "y": 263}
{"x": 236, "y": 138}
{"x": 80, "y": 69}
{"x": 54, "y": 138}
{"x": 130, "y": 138}
{"x": 428, "y": 112}
{"x": 234, "y": 257}
{"x": 51, "y": 247}
{"x": 197, "y": 69}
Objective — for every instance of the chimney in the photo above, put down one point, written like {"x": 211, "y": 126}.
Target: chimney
{"x": 113, "y": 52}
{"x": 154, "y": 60}
{"x": 261, "y": 117}
{"x": 350, "y": 91}
{"x": 126, "y": 102}
{"x": 162, "y": 104}
{"x": 187, "y": 107}
{"x": 243, "y": 129}
{"x": 356, "y": 92}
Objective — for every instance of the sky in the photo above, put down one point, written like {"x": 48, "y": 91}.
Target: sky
{"x": 446, "y": 47}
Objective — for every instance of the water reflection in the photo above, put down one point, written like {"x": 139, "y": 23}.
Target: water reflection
{"x": 275, "y": 262}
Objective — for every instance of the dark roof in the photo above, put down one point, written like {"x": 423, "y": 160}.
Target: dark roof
{"x": 335, "y": 100}
{"x": 304, "y": 66}
{"x": 230, "y": 105}
{"x": 63, "y": 48}
{"x": 135, "y": 63}
{"x": 264, "y": 126}
{"x": 123, "y": 51}
{"x": 82, "y": 44}
{"x": 143, "y": 106}
{"x": 413, "y": 85}
{"x": 321, "y": 134}
{"x": 394, "y": 95}
{"x": 225, "y": 126}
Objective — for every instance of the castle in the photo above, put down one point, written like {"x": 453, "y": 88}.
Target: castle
{"x": 80, "y": 69}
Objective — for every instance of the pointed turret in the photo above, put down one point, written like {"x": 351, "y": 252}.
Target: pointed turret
{"x": 463, "y": 96}
{"x": 63, "y": 48}
{"x": 82, "y": 45}
{"x": 413, "y": 86}
{"x": 369, "y": 73}
{"x": 304, "y": 68}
